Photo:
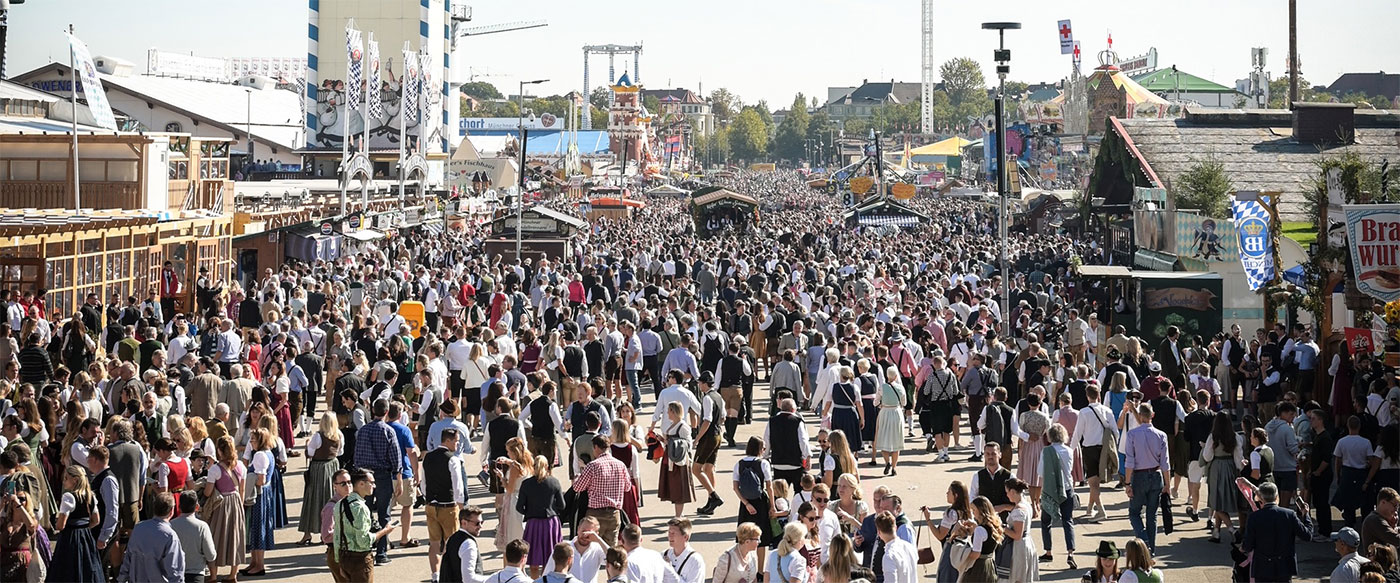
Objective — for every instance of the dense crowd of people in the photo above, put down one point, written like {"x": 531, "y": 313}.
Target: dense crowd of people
{"x": 144, "y": 444}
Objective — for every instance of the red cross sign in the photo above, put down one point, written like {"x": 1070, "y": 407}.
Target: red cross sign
{"x": 1066, "y": 37}
{"x": 1064, "y": 31}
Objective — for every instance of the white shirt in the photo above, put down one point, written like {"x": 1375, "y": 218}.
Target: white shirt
{"x": 1088, "y": 431}
{"x": 663, "y": 401}
{"x": 793, "y": 565}
{"x": 689, "y": 564}
{"x": 647, "y": 566}
{"x": 506, "y": 575}
{"x": 458, "y": 354}
{"x": 1353, "y": 449}
{"x": 900, "y": 562}
{"x": 587, "y": 562}
{"x": 827, "y": 528}
{"x": 1349, "y": 568}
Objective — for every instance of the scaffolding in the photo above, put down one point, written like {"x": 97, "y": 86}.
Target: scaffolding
{"x": 611, "y": 51}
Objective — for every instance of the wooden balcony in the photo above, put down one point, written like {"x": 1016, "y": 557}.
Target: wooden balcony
{"x": 50, "y": 195}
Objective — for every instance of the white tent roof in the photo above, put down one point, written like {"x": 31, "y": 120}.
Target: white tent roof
{"x": 276, "y": 113}
{"x": 490, "y": 146}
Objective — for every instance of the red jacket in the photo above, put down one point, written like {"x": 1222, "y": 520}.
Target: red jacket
{"x": 169, "y": 283}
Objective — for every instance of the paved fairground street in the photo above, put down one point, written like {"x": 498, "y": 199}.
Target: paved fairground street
{"x": 821, "y": 292}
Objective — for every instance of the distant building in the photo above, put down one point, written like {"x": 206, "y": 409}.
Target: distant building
{"x": 203, "y": 109}
{"x": 1381, "y": 83}
{"x": 1179, "y": 86}
{"x": 681, "y": 101}
{"x": 861, "y": 102}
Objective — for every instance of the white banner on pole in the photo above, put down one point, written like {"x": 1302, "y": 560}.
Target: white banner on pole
{"x": 92, "y": 86}
{"x": 1066, "y": 37}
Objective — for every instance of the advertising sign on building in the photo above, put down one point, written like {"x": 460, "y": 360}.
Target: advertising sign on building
{"x": 478, "y": 124}
{"x": 1373, "y": 233}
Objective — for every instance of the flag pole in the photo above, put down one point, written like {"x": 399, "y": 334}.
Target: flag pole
{"x": 403, "y": 117}
{"x": 73, "y": 100}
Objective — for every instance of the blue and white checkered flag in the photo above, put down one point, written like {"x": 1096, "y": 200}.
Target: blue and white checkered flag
{"x": 376, "y": 110}
{"x": 409, "y": 106}
{"x": 354, "y": 54}
{"x": 1256, "y": 242}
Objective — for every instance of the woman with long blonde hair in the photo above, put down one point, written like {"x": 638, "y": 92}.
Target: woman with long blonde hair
{"x": 515, "y": 466}
{"x": 322, "y": 450}
{"x": 985, "y": 532}
{"x": 849, "y": 506}
{"x": 261, "y": 513}
{"x": 839, "y": 459}
{"x": 76, "y": 557}
{"x": 540, "y": 500}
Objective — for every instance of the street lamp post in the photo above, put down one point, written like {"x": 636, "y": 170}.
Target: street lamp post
{"x": 1002, "y": 56}
{"x": 520, "y": 192}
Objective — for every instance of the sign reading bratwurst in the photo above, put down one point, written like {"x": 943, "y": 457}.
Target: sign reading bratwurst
{"x": 1373, "y": 231}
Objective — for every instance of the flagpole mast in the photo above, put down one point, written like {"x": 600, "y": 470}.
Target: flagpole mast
{"x": 345, "y": 132}
{"x": 73, "y": 99}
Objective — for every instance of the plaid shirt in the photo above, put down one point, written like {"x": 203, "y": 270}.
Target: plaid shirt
{"x": 606, "y": 480}
{"x": 377, "y": 448}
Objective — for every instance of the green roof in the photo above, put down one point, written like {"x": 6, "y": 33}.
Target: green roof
{"x": 1165, "y": 80}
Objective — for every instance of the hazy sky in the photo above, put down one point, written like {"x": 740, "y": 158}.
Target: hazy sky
{"x": 761, "y": 49}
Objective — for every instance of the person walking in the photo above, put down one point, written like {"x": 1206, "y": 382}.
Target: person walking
{"x": 540, "y": 500}
{"x": 444, "y": 493}
{"x": 461, "y": 561}
{"x": 737, "y": 564}
{"x": 76, "y": 556}
{"x": 260, "y": 513}
{"x": 154, "y": 553}
{"x": 196, "y": 540}
{"x": 889, "y": 422}
{"x": 753, "y": 484}
{"x": 1057, "y": 494}
{"x": 789, "y": 449}
{"x": 937, "y": 405}
{"x": 901, "y": 559}
{"x": 1225, "y": 456}
{"x": 224, "y": 490}
{"x": 606, "y": 481}
{"x": 674, "y": 483}
{"x": 1269, "y": 534}
{"x": 1095, "y": 438}
{"x": 354, "y": 539}
{"x": 1148, "y": 468}
{"x": 322, "y": 449}
{"x": 377, "y": 451}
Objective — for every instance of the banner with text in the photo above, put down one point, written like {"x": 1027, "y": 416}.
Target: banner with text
{"x": 1373, "y": 232}
{"x": 1256, "y": 245}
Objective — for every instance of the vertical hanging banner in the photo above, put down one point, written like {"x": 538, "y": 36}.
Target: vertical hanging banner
{"x": 92, "y": 86}
{"x": 1256, "y": 244}
{"x": 1066, "y": 38}
{"x": 372, "y": 89}
{"x": 1373, "y": 233}
{"x": 353, "y": 52}
{"x": 409, "y": 107}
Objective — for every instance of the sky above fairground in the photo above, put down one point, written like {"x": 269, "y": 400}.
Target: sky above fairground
{"x": 764, "y": 49}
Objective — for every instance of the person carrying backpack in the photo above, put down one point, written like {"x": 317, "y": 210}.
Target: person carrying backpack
{"x": 753, "y": 482}
{"x": 674, "y": 484}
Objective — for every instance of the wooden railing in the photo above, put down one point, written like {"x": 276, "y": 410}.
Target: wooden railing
{"x": 47, "y": 195}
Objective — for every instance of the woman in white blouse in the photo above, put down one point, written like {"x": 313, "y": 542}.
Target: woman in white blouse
{"x": 737, "y": 565}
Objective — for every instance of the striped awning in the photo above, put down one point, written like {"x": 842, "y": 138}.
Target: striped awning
{"x": 904, "y": 221}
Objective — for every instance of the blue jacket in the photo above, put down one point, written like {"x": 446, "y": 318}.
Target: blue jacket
{"x": 1270, "y": 534}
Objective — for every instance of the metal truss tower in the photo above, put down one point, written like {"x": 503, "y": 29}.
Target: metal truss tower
{"x": 611, "y": 51}
{"x": 927, "y": 80}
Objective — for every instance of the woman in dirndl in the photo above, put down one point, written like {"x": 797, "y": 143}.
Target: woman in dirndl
{"x": 959, "y": 509}
{"x": 261, "y": 513}
{"x": 1225, "y": 454}
{"x": 321, "y": 449}
{"x": 889, "y": 422}
{"x": 844, "y": 409}
{"x": 76, "y": 557}
{"x": 224, "y": 510}
{"x": 674, "y": 483}
{"x": 626, "y": 447}
{"x": 541, "y": 501}
{"x": 1032, "y": 426}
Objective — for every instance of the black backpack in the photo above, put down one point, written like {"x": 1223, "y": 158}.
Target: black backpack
{"x": 751, "y": 479}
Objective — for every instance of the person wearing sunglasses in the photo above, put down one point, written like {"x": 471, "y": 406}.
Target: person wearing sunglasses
{"x": 461, "y": 563}
{"x": 340, "y": 488}
{"x": 827, "y": 524}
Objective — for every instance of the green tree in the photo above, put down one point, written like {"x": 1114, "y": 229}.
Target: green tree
{"x": 856, "y": 127}
{"x": 765, "y": 114}
{"x": 599, "y": 117}
{"x": 652, "y": 104}
{"x": 554, "y": 104}
{"x": 748, "y": 135}
{"x": 966, "y": 87}
{"x": 945, "y": 116}
{"x": 1278, "y": 92}
{"x": 600, "y": 97}
{"x": 725, "y": 105}
{"x": 791, "y": 139}
{"x": 1205, "y": 187}
{"x": 481, "y": 90}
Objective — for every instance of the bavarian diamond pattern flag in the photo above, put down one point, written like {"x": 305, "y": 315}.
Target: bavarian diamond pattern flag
{"x": 1256, "y": 244}
{"x": 353, "y": 55}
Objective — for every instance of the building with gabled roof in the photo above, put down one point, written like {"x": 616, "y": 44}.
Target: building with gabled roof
{"x": 1179, "y": 86}
{"x": 1380, "y": 83}
{"x": 862, "y": 101}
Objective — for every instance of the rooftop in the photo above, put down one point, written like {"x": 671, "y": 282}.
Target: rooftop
{"x": 1256, "y": 147}
{"x": 883, "y": 91}
{"x": 1379, "y": 83}
{"x": 1166, "y": 80}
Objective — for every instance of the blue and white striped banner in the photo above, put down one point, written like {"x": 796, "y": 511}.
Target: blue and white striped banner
{"x": 1256, "y": 243}
{"x": 354, "y": 53}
